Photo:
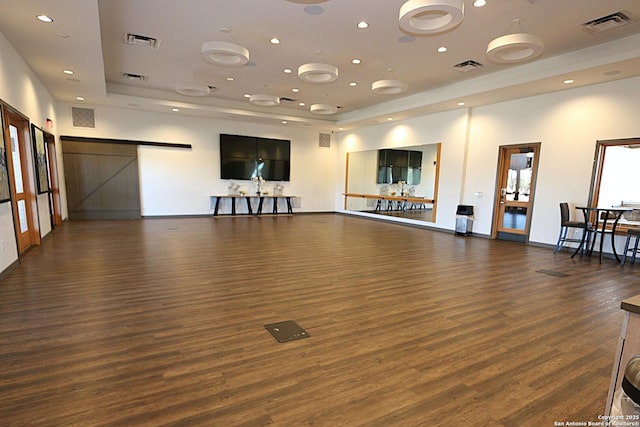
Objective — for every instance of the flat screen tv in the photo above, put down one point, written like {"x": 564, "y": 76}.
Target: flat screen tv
{"x": 247, "y": 157}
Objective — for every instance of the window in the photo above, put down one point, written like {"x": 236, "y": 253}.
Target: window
{"x": 614, "y": 179}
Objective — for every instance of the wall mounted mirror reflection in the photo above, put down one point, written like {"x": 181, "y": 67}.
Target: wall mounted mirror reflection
{"x": 400, "y": 181}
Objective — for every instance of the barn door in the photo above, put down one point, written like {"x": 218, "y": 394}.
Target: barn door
{"x": 102, "y": 180}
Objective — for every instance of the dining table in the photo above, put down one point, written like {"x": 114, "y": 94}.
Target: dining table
{"x": 599, "y": 226}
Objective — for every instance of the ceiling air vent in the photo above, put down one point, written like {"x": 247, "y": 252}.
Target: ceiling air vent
{"x": 143, "y": 41}
{"x": 608, "y": 22}
{"x": 134, "y": 77}
{"x": 467, "y": 66}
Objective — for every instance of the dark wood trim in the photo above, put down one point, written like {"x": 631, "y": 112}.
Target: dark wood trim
{"x": 124, "y": 141}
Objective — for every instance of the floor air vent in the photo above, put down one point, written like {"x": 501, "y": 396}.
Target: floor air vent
{"x": 608, "y": 22}
{"x": 467, "y": 66}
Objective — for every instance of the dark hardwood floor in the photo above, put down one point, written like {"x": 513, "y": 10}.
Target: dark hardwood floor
{"x": 161, "y": 322}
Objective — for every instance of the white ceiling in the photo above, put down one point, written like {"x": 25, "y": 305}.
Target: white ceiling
{"x": 87, "y": 37}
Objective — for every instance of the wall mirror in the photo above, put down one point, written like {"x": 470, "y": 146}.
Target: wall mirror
{"x": 399, "y": 181}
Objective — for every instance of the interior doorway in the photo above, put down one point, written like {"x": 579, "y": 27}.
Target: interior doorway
{"x": 515, "y": 190}
{"x": 23, "y": 193}
{"x": 54, "y": 183}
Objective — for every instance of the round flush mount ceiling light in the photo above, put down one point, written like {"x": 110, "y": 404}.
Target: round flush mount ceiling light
{"x": 323, "y": 109}
{"x": 264, "y": 100}
{"x": 226, "y": 53}
{"x": 389, "y": 87}
{"x": 316, "y": 72}
{"x": 513, "y": 48}
{"x": 431, "y": 16}
{"x": 192, "y": 89}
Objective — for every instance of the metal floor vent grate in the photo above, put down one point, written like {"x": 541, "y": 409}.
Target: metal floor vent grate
{"x": 286, "y": 331}
{"x": 553, "y": 273}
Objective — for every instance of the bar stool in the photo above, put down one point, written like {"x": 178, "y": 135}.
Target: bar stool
{"x": 631, "y": 233}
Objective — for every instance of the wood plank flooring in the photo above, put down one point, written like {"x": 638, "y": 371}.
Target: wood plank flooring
{"x": 161, "y": 322}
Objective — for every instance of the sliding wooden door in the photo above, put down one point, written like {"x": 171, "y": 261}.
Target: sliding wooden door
{"x": 101, "y": 180}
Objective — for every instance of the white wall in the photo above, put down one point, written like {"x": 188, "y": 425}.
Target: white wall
{"x": 566, "y": 123}
{"x": 23, "y": 91}
{"x": 175, "y": 181}
{"x": 448, "y": 128}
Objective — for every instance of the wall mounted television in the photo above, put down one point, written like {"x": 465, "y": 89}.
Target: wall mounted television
{"x": 247, "y": 157}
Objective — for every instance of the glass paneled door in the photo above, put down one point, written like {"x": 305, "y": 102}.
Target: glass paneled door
{"x": 21, "y": 189}
{"x": 517, "y": 168}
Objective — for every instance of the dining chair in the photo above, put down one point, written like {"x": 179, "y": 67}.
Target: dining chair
{"x": 566, "y": 225}
{"x": 632, "y": 233}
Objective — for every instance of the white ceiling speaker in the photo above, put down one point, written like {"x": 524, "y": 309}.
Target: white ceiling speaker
{"x": 323, "y": 109}
{"x": 431, "y": 16}
{"x": 316, "y": 72}
{"x": 389, "y": 87}
{"x": 192, "y": 89}
{"x": 264, "y": 100}
{"x": 226, "y": 53}
{"x": 514, "y": 48}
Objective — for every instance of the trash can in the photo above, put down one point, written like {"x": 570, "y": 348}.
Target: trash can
{"x": 464, "y": 220}
{"x": 626, "y": 401}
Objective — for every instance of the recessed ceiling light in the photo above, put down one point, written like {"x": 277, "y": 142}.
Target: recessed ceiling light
{"x": 295, "y": 90}
{"x": 389, "y": 118}
{"x": 275, "y": 40}
{"x": 479, "y": 3}
{"x": 568, "y": 81}
{"x": 246, "y": 95}
{"x": 44, "y": 18}
{"x": 301, "y": 104}
{"x": 442, "y": 49}
{"x": 353, "y": 84}
{"x": 460, "y": 104}
{"x": 79, "y": 98}
{"x": 284, "y": 122}
{"x": 230, "y": 79}
{"x": 362, "y": 25}
{"x": 175, "y": 110}
{"x": 355, "y": 61}
{"x": 69, "y": 72}
{"x": 287, "y": 71}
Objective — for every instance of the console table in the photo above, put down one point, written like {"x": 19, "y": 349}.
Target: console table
{"x": 215, "y": 204}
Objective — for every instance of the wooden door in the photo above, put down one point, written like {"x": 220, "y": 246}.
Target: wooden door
{"x": 517, "y": 167}
{"x": 54, "y": 185}
{"x": 101, "y": 180}
{"x": 22, "y": 185}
